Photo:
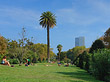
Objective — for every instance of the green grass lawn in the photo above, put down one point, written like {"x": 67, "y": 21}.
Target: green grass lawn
{"x": 42, "y": 73}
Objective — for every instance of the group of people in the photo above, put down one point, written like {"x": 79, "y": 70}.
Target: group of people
{"x": 5, "y": 62}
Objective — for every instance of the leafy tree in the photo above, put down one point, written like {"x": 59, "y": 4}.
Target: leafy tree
{"x": 41, "y": 50}
{"x": 12, "y": 45}
{"x": 70, "y": 54}
{"x": 3, "y": 45}
{"x": 98, "y": 44}
{"x": 81, "y": 60}
{"x": 20, "y": 50}
{"x": 47, "y": 20}
{"x": 87, "y": 62}
{"x": 59, "y": 48}
{"x": 106, "y": 38}
{"x": 100, "y": 67}
{"x": 62, "y": 55}
{"x": 22, "y": 44}
{"x": 77, "y": 51}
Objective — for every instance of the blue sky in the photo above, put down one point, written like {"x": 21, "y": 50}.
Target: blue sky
{"x": 88, "y": 18}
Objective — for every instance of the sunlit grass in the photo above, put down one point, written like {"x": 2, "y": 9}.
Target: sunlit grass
{"x": 44, "y": 72}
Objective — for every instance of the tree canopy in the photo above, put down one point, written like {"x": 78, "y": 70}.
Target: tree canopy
{"x": 3, "y": 45}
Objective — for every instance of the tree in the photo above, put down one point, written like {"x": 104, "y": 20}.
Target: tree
{"x": 106, "y": 38}
{"x": 59, "y": 47}
{"x": 87, "y": 60}
{"x": 81, "y": 61}
{"x": 77, "y": 51}
{"x": 100, "y": 67}
{"x": 62, "y": 56}
{"x": 3, "y": 45}
{"x": 47, "y": 20}
{"x": 70, "y": 54}
{"x": 11, "y": 47}
{"x": 22, "y": 44}
{"x": 98, "y": 44}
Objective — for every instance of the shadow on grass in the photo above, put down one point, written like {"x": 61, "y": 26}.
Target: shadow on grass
{"x": 80, "y": 75}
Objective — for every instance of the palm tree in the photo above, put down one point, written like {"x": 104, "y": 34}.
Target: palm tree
{"x": 59, "y": 47}
{"x": 47, "y": 20}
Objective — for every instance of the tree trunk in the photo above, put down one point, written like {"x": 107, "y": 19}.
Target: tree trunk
{"x": 59, "y": 56}
{"x": 48, "y": 44}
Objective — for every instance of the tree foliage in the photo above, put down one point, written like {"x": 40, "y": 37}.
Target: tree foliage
{"x": 106, "y": 38}
{"x": 98, "y": 44}
{"x": 24, "y": 48}
{"x": 3, "y": 45}
{"x": 59, "y": 48}
{"x": 101, "y": 65}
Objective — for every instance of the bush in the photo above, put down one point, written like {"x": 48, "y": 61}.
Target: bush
{"x": 68, "y": 60}
{"x": 87, "y": 62}
{"x": 77, "y": 62}
{"x": 81, "y": 61}
{"x": 62, "y": 62}
{"x": 101, "y": 64}
{"x": 39, "y": 60}
{"x": 13, "y": 61}
{"x": 34, "y": 60}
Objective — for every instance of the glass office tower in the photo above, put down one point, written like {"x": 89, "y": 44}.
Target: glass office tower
{"x": 79, "y": 41}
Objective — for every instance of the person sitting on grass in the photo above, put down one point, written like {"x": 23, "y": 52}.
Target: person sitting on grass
{"x": 28, "y": 61}
{"x": 59, "y": 64}
{"x": 5, "y": 62}
{"x": 67, "y": 65}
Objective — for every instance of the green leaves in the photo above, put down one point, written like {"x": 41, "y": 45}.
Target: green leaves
{"x": 3, "y": 45}
{"x": 47, "y": 19}
{"x": 101, "y": 64}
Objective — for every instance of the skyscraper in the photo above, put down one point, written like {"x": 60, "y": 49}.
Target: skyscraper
{"x": 79, "y": 41}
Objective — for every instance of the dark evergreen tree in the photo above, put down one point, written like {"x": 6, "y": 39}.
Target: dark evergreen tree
{"x": 87, "y": 60}
{"x": 98, "y": 44}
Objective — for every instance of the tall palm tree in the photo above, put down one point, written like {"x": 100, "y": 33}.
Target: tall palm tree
{"x": 59, "y": 47}
{"x": 47, "y": 20}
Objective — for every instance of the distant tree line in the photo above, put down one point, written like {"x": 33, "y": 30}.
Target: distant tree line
{"x": 19, "y": 51}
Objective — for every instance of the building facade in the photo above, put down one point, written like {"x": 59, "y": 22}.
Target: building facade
{"x": 79, "y": 41}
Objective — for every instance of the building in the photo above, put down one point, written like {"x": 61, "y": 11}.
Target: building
{"x": 79, "y": 41}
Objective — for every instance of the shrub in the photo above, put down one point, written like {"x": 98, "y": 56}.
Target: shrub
{"x": 34, "y": 60}
{"x": 39, "y": 60}
{"x": 13, "y": 61}
{"x": 101, "y": 64}
{"x": 68, "y": 60}
{"x": 77, "y": 62}
{"x": 62, "y": 62}
{"x": 87, "y": 62}
{"x": 81, "y": 60}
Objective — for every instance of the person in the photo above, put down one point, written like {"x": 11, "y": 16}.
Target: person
{"x": 67, "y": 65}
{"x": 28, "y": 61}
{"x": 5, "y": 62}
{"x": 59, "y": 64}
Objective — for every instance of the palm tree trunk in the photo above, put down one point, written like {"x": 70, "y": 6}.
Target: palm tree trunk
{"x": 59, "y": 56}
{"x": 48, "y": 44}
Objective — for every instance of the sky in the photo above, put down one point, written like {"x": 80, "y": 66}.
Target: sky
{"x": 75, "y": 18}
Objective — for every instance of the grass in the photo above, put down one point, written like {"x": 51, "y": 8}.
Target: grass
{"x": 42, "y": 73}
